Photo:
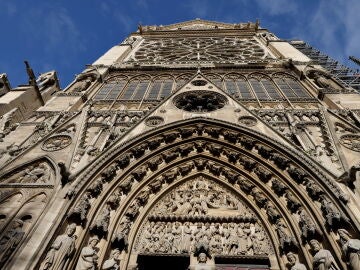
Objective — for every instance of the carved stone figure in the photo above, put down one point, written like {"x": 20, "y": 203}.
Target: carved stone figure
{"x": 184, "y": 150}
{"x": 292, "y": 202}
{"x": 10, "y": 240}
{"x": 214, "y": 168}
{"x": 259, "y": 197}
{"x": 154, "y": 163}
{"x": 272, "y": 212}
{"x": 351, "y": 249}
{"x": 80, "y": 211}
{"x": 170, "y": 176}
{"x": 230, "y": 175}
{"x": 88, "y": 256}
{"x": 280, "y": 160}
{"x": 296, "y": 173}
{"x": 102, "y": 221}
{"x": 34, "y": 174}
{"x": 263, "y": 174}
{"x": 185, "y": 169}
{"x": 323, "y": 259}
{"x": 246, "y": 185}
{"x": 113, "y": 262}
{"x": 109, "y": 173}
{"x": 123, "y": 232}
{"x": 114, "y": 199}
{"x": 230, "y": 136}
{"x": 144, "y": 195}
{"x": 96, "y": 188}
{"x": 294, "y": 264}
{"x": 278, "y": 187}
{"x": 139, "y": 150}
{"x": 133, "y": 209}
{"x": 308, "y": 227}
{"x": 156, "y": 184}
{"x": 139, "y": 173}
{"x": 215, "y": 244}
{"x": 333, "y": 216}
{"x": 186, "y": 240}
{"x": 61, "y": 250}
{"x": 214, "y": 149}
{"x": 200, "y": 164}
{"x": 324, "y": 81}
{"x": 125, "y": 185}
{"x": 313, "y": 189}
{"x": 287, "y": 242}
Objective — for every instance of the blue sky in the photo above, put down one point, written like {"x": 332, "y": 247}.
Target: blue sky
{"x": 67, "y": 35}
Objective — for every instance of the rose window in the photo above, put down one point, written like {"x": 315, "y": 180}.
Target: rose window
{"x": 200, "y": 101}
{"x": 214, "y": 49}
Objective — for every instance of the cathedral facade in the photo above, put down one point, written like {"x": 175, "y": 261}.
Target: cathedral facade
{"x": 196, "y": 145}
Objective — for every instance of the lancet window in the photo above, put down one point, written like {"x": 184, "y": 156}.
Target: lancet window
{"x": 136, "y": 89}
{"x": 290, "y": 86}
{"x": 237, "y": 86}
{"x": 160, "y": 88}
{"x": 111, "y": 89}
{"x": 263, "y": 87}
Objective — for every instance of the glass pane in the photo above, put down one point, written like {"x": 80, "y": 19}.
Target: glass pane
{"x": 154, "y": 90}
{"x": 288, "y": 92}
{"x": 258, "y": 89}
{"x": 231, "y": 87}
{"x": 115, "y": 90}
{"x": 244, "y": 89}
{"x": 104, "y": 91}
{"x": 298, "y": 89}
{"x": 141, "y": 90}
{"x": 129, "y": 90}
{"x": 167, "y": 86}
{"x": 272, "y": 92}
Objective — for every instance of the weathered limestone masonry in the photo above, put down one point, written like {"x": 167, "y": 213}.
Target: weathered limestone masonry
{"x": 197, "y": 145}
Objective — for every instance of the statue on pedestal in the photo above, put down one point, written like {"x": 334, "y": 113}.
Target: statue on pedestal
{"x": 61, "y": 250}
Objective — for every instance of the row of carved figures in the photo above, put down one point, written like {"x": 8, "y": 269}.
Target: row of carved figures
{"x": 165, "y": 238}
{"x": 63, "y": 248}
{"x": 226, "y": 238}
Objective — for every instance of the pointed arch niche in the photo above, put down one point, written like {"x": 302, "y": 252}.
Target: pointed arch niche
{"x": 228, "y": 174}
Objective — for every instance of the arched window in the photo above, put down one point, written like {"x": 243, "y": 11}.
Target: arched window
{"x": 237, "y": 86}
{"x": 215, "y": 79}
{"x": 263, "y": 87}
{"x": 111, "y": 89}
{"x": 135, "y": 89}
{"x": 161, "y": 87}
{"x": 290, "y": 86}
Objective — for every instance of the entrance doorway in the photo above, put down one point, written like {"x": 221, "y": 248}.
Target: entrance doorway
{"x": 163, "y": 262}
{"x": 241, "y": 263}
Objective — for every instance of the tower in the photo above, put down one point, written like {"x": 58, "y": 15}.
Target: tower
{"x": 199, "y": 145}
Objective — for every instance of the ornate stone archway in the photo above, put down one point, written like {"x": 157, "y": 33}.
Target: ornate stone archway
{"x": 287, "y": 196}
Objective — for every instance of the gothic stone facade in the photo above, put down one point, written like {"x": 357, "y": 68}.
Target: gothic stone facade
{"x": 199, "y": 145}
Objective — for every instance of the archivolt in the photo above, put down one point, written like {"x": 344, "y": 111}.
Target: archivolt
{"x": 258, "y": 168}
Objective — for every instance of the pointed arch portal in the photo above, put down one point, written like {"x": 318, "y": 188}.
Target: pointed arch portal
{"x": 206, "y": 186}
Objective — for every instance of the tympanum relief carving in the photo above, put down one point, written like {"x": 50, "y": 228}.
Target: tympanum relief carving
{"x": 200, "y": 212}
